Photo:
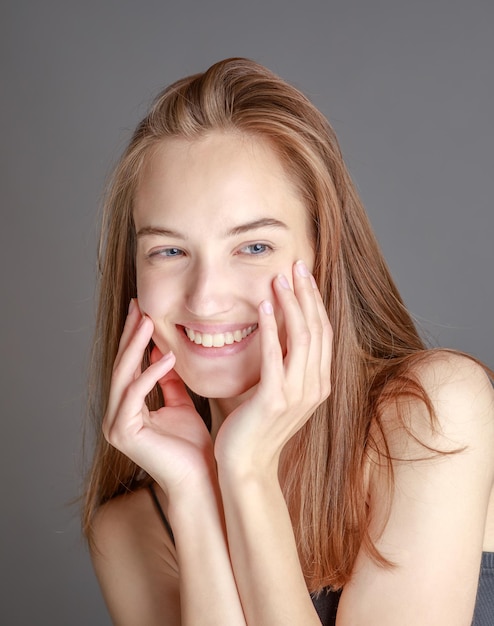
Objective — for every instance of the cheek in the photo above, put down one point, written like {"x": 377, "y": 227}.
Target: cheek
{"x": 152, "y": 295}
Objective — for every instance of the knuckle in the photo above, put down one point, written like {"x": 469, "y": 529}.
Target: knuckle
{"x": 107, "y": 422}
{"x": 110, "y": 434}
{"x": 319, "y": 391}
{"x": 327, "y": 328}
{"x": 326, "y": 389}
{"x": 279, "y": 404}
{"x": 317, "y": 332}
{"x": 115, "y": 436}
{"x": 315, "y": 396}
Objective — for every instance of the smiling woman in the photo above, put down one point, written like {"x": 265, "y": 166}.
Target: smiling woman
{"x": 217, "y": 220}
{"x": 276, "y": 444}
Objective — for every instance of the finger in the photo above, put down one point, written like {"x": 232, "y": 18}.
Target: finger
{"x": 128, "y": 366}
{"x": 131, "y": 323}
{"x": 174, "y": 391}
{"x": 129, "y": 417}
{"x": 173, "y": 388}
{"x": 326, "y": 344}
{"x": 297, "y": 331}
{"x": 272, "y": 371}
{"x": 304, "y": 290}
{"x": 155, "y": 355}
{"x": 135, "y": 396}
{"x": 318, "y": 371}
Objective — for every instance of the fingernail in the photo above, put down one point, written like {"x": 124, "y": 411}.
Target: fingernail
{"x": 267, "y": 307}
{"x": 167, "y": 356}
{"x": 143, "y": 319}
{"x": 283, "y": 281}
{"x": 132, "y": 305}
{"x": 302, "y": 269}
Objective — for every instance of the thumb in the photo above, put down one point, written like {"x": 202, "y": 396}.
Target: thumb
{"x": 172, "y": 386}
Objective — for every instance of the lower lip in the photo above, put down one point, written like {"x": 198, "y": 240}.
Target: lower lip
{"x": 226, "y": 350}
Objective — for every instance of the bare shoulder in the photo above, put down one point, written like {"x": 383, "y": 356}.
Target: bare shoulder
{"x": 461, "y": 394}
{"x": 131, "y": 519}
{"x": 435, "y": 517}
{"x": 440, "y": 369}
{"x": 462, "y": 400}
{"x": 134, "y": 560}
{"x": 444, "y": 442}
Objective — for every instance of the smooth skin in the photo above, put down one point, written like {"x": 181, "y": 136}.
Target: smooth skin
{"x": 201, "y": 264}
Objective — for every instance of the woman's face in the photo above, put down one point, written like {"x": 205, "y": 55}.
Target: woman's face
{"x": 216, "y": 221}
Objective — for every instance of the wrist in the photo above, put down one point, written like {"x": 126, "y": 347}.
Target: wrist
{"x": 240, "y": 479}
{"x": 193, "y": 484}
{"x": 194, "y": 497}
{"x": 246, "y": 465}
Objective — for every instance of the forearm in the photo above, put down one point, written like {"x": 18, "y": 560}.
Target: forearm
{"x": 208, "y": 593}
{"x": 263, "y": 551}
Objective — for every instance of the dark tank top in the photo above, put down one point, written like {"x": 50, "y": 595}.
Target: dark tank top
{"x": 326, "y": 602}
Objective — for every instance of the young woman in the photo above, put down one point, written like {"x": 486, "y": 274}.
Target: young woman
{"x": 278, "y": 446}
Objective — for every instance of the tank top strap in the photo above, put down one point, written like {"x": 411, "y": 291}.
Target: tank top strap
{"x": 161, "y": 513}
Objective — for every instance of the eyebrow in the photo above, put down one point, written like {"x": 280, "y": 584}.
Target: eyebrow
{"x": 158, "y": 230}
{"x": 265, "y": 222}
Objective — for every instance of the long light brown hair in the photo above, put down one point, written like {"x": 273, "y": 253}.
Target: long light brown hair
{"x": 322, "y": 468}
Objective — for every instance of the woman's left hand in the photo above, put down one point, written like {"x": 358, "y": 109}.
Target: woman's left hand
{"x": 291, "y": 386}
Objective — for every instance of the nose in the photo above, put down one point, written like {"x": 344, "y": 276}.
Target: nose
{"x": 210, "y": 291}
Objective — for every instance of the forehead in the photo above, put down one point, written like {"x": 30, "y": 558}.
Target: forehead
{"x": 223, "y": 175}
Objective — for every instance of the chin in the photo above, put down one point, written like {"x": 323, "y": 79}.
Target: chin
{"x": 214, "y": 387}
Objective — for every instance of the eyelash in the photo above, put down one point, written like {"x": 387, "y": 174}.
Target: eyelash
{"x": 266, "y": 249}
{"x": 177, "y": 252}
{"x": 164, "y": 252}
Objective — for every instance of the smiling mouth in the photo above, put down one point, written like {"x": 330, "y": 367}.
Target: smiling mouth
{"x": 218, "y": 340}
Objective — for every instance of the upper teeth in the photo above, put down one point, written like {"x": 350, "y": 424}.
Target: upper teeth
{"x": 218, "y": 340}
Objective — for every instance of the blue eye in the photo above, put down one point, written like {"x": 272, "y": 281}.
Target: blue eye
{"x": 166, "y": 252}
{"x": 256, "y": 248}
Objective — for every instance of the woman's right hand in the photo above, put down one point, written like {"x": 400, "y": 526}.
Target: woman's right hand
{"x": 172, "y": 444}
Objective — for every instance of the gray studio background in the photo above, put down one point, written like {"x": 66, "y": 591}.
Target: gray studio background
{"x": 409, "y": 88}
